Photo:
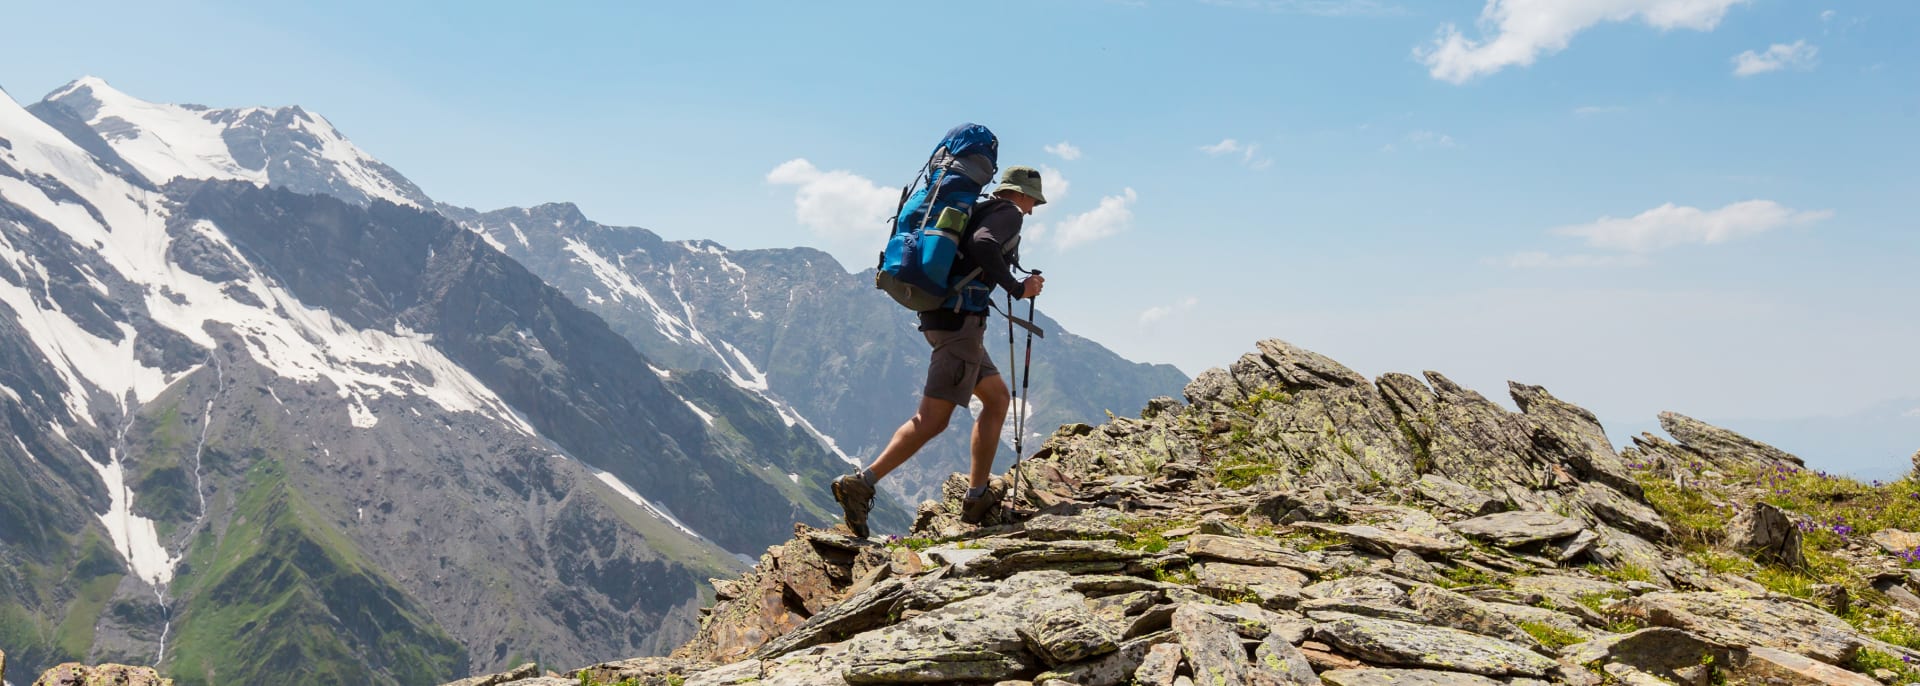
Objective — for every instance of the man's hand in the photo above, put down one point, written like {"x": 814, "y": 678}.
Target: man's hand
{"x": 1033, "y": 285}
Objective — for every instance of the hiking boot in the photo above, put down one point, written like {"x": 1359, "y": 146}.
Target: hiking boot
{"x": 856, "y": 499}
{"x": 975, "y": 510}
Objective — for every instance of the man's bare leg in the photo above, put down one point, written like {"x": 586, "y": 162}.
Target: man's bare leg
{"x": 926, "y": 423}
{"x": 994, "y": 400}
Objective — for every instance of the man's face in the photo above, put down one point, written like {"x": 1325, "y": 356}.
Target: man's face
{"x": 1022, "y": 201}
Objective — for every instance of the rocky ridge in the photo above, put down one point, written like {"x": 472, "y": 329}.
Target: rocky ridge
{"x": 1296, "y": 523}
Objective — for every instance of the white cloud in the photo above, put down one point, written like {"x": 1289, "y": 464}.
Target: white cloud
{"x": 1544, "y": 260}
{"x": 1063, "y": 150}
{"x": 1226, "y": 145}
{"x": 1324, "y": 8}
{"x": 1249, "y": 152}
{"x": 836, "y": 204}
{"x": 1157, "y": 313}
{"x": 1055, "y": 186}
{"x": 1523, "y": 30}
{"x": 1670, "y": 225}
{"x": 1797, "y": 55}
{"x": 1114, "y": 215}
{"x": 1915, "y": 412}
{"x": 1827, "y": 15}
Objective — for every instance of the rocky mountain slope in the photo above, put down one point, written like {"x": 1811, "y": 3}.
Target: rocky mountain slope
{"x": 1297, "y": 523}
{"x": 253, "y": 429}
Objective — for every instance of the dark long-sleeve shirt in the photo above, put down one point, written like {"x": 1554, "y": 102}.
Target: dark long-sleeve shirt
{"x": 995, "y": 226}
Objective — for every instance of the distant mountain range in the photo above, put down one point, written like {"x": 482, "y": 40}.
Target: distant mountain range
{"x": 272, "y": 405}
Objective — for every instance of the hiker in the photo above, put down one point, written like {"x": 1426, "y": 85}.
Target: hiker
{"x": 960, "y": 368}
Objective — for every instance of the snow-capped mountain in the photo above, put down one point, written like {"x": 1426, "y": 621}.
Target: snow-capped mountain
{"x": 270, "y": 146}
{"x": 255, "y": 425}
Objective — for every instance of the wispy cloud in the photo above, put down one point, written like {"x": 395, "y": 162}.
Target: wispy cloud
{"x": 1633, "y": 239}
{"x": 1114, "y": 215}
{"x": 1523, "y": 30}
{"x": 1156, "y": 314}
{"x": 835, "y": 204}
{"x": 1797, "y": 55}
{"x": 1431, "y": 139}
{"x": 1321, "y": 8}
{"x": 1249, "y": 153}
{"x": 1672, "y": 225}
{"x": 1063, "y": 150}
{"x": 1545, "y": 260}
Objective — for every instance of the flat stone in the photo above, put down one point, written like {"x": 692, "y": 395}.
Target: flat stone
{"x": 1160, "y": 666}
{"x": 1388, "y": 642}
{"x": 1276, "y": 587}
{"x": 1402, "y": 677}
{"x": 1115, "y": 668}
{"x": 934, "y": 667}
{"x": 1277, "y": 662}
{"x": 1251, "y": 552}
{"x": 1658, "y": 651}
{"x": 1329, "y": 609}
{"x": 1513, "y": 529}
{"x": 1620, "y": 510}
{"x": 1740, "y": 619}
{"x": 1781, "y": 668}
{"x": 1385, "y": 541}
{"x": 1450, "y": 609}
{"x": 1456, "y": 496}
{"x": 1211, "y": 646}
{"x": 1358, "y": 587}
{"x": 1080, "y": 528}
{"x": 1069, "y": 634}
{"x": 1895, "y": 541}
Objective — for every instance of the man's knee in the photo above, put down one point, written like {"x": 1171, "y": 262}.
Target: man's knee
{"x": 993, "y": 394}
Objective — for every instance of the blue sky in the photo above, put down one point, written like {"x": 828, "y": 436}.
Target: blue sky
{"x": 1707, "y": 206}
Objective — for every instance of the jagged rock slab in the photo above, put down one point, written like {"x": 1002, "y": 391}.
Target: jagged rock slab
{"x": 1781, "y": 668}
{"x": 1456, "y": 496}
{"x": 1277, "y": 662}
{"x": 1578, "y": 435}
{"x": 1659, "y": 651}
{"x": 1211, "y": 646}
{"x": 1115, "y": 668}
{"x": 1251, "y": 552}
{"x": 1622, "y": 510}
{"x": 1386, "y": 541}
{"x": 1069, "y": 634}
{"x": 1402, "y": 677}
{"x": 1276, "y": 587}
{"x": 1513, "y": 529}
{"x": 1160, "y": 666}
{"x": 1450, "y": 609}
{"x": 1766, "y": 533}
{"x": 1384, "y": 641}
{"x": 934, "y": 667}
{"x": 1723, "y": 446}
{"x": 1367, "y": 587}
{"x": 1739, "y": 619}
{"x": 1080, "y": 528}
{"x": 1329, "y": 609}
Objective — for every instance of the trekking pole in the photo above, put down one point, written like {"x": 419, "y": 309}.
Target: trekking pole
{"x": 1026, "y": 378}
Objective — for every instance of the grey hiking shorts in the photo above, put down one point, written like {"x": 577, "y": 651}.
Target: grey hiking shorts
{"x": 960, "y": 361}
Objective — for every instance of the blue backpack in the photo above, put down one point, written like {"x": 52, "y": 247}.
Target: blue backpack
{"x": 916, "y": 268}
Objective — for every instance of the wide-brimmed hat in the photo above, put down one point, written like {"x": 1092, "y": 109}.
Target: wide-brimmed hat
{"x": 1025, "y": 180}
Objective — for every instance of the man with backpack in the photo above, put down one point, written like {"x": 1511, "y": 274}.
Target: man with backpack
{"x": 960, "y": 368}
